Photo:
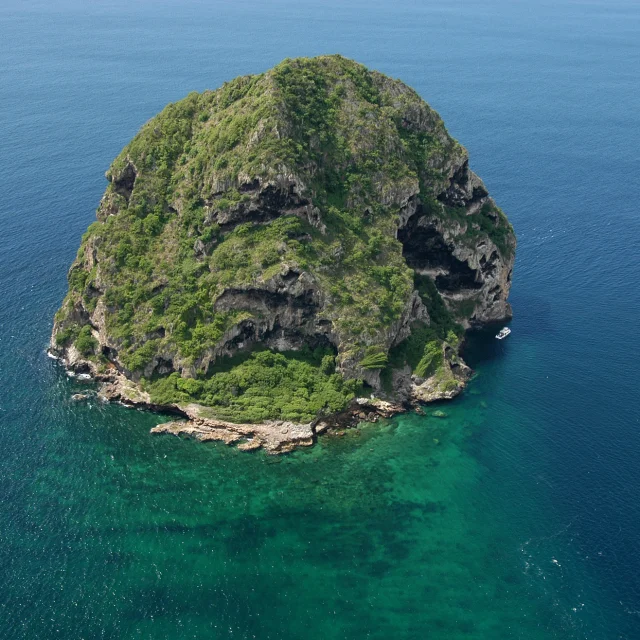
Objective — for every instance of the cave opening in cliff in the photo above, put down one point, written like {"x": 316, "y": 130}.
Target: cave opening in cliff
{"x": 267, "y": 205}
{"x": 124, "y": 183}
{"x": 425, "y": 250}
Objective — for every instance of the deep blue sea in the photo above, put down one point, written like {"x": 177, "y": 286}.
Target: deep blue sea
{"x": 517, "y": 516}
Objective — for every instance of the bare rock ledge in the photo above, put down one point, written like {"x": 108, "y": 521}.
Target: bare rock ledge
{"x": 274, "y": 436}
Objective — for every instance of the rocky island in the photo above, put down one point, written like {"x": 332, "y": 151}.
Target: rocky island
{"x": 294, "y": 251}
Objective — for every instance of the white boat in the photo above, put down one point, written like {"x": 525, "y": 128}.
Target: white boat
{"x": 503, "y": 333}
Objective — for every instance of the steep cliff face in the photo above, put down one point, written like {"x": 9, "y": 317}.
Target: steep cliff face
{"x": 266, "y": 249}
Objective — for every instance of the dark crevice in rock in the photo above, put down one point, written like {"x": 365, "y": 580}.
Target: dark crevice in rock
{"x": 159, "y": 333}
{"x": 124, "y": 183}
{"x": 479, "y": 193}
{"x": 462, "y": 192}
{"x": 246, "y": 333}
{"x": 460, "y": 276}
{"x": 489, "y": 267}
{"x": 453, "y": 196}
{"x": 291, "y": 339}
{"x": 254, "y": 185}
{"x": 424, "y": 249}
{"x": 82, "y": 367}
{"x": 92, "y": 292}
{"x": 279, "y": 338}
{"x": 494, "y": 293}
{"x": 260, "y": 300}
{"x": 278, "y": 199}
{"x": 267, "y": 205}
{"x": 111, "y": 355}
{"x": 243, "y": 214}
{"x": 281, "y": 321}
{"x": 289, "y": 277}
{"x": 163, "y": 367}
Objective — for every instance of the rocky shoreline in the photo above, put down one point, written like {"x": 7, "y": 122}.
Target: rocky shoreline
{"x": 274, "y": 436}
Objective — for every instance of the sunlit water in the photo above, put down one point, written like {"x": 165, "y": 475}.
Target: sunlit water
{"x": 517, "y": 516}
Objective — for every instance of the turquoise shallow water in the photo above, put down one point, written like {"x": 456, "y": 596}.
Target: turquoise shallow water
{"x": 517, "y": 516}
{"x": 390, "y": 531}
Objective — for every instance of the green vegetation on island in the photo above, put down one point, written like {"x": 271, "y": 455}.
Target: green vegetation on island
{"x": 227, "y": 202}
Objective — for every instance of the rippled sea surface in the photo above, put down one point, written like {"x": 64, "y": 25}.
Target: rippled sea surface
{"x": 516, "y": 516}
